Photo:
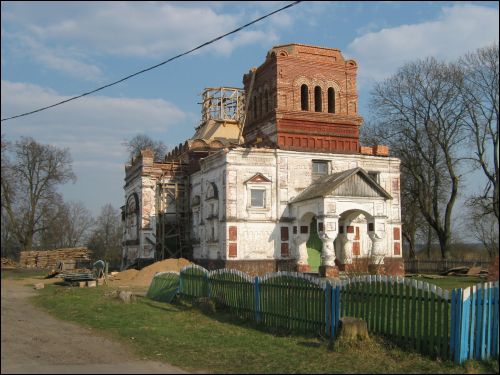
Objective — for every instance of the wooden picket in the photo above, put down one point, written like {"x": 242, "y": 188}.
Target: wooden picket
{"x": 233, "y": 289}
{"x": 194, "y": 282}
{"x": 293, "y": 301}
{"x": 406, "y": 311}
{"x": 415, "y": 314}
{"x": 475, "y": 322}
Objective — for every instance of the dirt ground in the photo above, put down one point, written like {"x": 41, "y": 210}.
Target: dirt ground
{"x": 34, "y": 342}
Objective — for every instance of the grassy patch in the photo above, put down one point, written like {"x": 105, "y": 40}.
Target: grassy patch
{"x": 219, "y": 343}
{"x": 23, "y": 273}
{"x": 450, "y": 282}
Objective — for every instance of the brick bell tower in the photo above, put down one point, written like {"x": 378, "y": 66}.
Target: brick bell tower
{"x": 303, "y": 98}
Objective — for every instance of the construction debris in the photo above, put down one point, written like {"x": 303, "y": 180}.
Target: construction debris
{"x": 466, "y": 271}
{"x": 50, "y": 258}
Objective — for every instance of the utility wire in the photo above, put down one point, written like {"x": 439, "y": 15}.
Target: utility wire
{"x": 157, "y": 65}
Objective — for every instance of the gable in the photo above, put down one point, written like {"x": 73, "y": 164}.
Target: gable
{"x": 352, "y": 183}
{"x": 257, "y": 178}
{"x": 356, "y": 185}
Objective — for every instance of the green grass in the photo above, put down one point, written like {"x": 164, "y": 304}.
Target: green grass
{"x": 188, "y": 338}
{"x": 450, "y": 282}
{"x": 22, "y": 273}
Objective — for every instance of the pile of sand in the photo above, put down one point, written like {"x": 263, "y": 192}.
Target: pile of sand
{"x": 144, "y": 276}
{"x": 126, "y": 275}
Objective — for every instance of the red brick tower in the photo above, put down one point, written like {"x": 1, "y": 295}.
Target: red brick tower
{"x": 303, "y": 98}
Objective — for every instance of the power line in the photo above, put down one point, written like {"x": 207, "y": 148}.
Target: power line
{"x": 157, "y": 65}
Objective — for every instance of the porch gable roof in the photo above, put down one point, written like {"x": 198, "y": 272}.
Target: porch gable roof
{"x": 327, "y": 185}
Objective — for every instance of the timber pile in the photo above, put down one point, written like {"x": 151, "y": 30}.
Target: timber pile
{"x": 466, "y": 271}
{"x": 9, "y": 263}
{"x": 50, "y": 258}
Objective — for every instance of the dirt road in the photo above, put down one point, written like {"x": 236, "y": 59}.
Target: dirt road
{"x": 35, "y": 342}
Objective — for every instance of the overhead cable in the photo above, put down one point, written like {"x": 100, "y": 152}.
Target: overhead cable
{"x": 157, "y": 65}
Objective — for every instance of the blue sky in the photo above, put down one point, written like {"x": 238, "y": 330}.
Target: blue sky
{"x": 54, "y": 50}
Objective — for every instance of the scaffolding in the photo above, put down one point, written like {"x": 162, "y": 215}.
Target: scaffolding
{"x": 222, "y": 104}
{"x": 172, "y": 224}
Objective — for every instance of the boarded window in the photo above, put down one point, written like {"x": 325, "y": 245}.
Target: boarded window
{"x": 318, "y": 105}
{"x": 395, "y": 184}
{"x": 233, "y": 233}
{"x": 284, "y": 233}
{"x": 233, "y": 250}
{"x": 304, "y": 98}
{"x": 331, "y": 100}
{"x": 284, "y": 249}
{"x": 397, "y": 234}
{"x": 397, "y": 248}
{"x": 355, "y": 248}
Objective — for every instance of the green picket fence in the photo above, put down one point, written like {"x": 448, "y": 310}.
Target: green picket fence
{"x": 193, "y": 282}
{"x": 412, "y": 313}
{"x": 292, "y": 301}
{"x": 164, "y": 286}
{"x": 234, "y": 289}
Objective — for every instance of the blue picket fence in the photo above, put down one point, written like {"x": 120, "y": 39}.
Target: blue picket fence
{"x": 461, "y": 325}
{"x": 474, "y": 322}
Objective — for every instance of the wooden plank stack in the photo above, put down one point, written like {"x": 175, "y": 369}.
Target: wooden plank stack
{"x": 49, "y": 258}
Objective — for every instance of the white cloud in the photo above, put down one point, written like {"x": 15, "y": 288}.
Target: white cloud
{"x": 458, "y": 29}
{"x": 93, "y": 128}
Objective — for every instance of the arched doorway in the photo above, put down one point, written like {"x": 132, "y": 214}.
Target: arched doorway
{"x": 314, "y": 246}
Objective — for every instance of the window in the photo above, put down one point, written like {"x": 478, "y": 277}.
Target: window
{"x": 266, "y": 101}
{"x": 331, "y": 100}
{"x": 257, "y": 198}
{"x": 304, "y": 98}
{"x": 317, "y": 99}
{"x": 374, "y": 176}
{"x": 254, "y": 107}
{"x": 319, "y": 167}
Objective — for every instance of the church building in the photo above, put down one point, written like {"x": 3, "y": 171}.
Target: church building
{"x": 274, "y": 178}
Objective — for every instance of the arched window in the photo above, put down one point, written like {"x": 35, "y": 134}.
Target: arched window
{"x": 254, "y": 107}
{"x": 266, "y": 101}
{"x": 261, "y": 108}
{"x": 331, "y": 100}
{"x": 317, "y": 99}
{"x": 304, "y": 98}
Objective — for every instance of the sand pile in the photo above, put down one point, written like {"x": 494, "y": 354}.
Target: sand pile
{"x": 145, "y": 275}
{"x": 126, "y": 275}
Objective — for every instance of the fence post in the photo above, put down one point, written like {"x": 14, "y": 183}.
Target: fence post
{"x": 465, "y": 324}
{"x": 180, "y": 283}
{"x": 454, "y": 325}
{"x": 335, "y": 309}
{"x": 257, "y": 299}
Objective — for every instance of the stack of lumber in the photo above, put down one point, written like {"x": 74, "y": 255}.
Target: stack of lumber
{"x": 465, "y": 271}
{"x": 49, "y": 258}
{"x": 9, "y": 263}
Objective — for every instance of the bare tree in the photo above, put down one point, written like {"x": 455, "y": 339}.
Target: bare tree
{"x": 67, "y": 224}
{"x": 484, "y": 227}
{"x": 421, "y": 115}
{"x": 480, "y": 95}
{"x": 29, "y": 185}
{"x": 105, "y": 240}
{"x": 142, "y": 142}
